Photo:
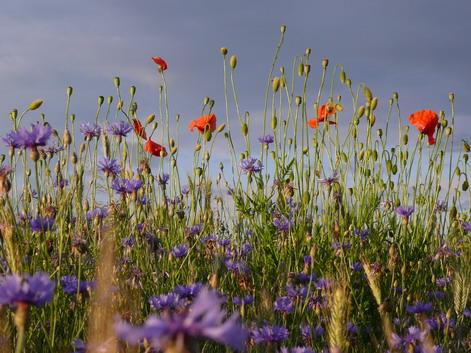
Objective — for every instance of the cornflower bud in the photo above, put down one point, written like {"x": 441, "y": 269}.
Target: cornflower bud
{"x": 223, "y": 51}
{"x": 35, "y": 104}
{"x": 233, "y": 62}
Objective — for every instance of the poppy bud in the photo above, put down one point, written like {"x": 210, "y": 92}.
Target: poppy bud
{"x": 150, "y": 119}
{"x": 306, "y": 69}
{"x": 448, "y": 131}
{"x": 206, "y": 156}
{"x": 298, "y": 100}
{"x": 207, "y": 135}
{"x": 283, "y": 29}
{"x": 211, "y": 103}
{"x": 274, "y": 122}
{"x": 221, "y": 128}
{"x": 300, "y": 69}
{"x": 466, "y": 146}
{"x": 35, "y": 104}
{"x": 360, "y": 111}
{"x": 305, "y": 150}
{"x": 276, "y": 84}
{"x": 116, "y": 81}
{"x": 379, "y": 132}
{"x": 342, "y": 76}
{"x": 67, "y": 138}
{"x": 233, "y": 62}
{"x": 223, "y": 51}
{"x": 394, "y": 169}
{"x": 465, "y": 185}
{"x": 451, "y": 96}
{"x": 325, "y": 63}
{"x": 245, "y": 129}
{"x": 405, "y": 139}
{"x": 172, "y": 142}
{"x": 368, "y": 94}
{"x": 395, "y": 96}
{"x": 374, "y": 103}
{"x": 132, "y": 90}
{"x": 344, "y": 157}
{"x": 197, "y": 147}
{"x": 110, "y": 99}
{"x": 338, "y": 107}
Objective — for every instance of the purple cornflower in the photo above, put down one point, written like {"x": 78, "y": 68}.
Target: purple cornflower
{"x": 119, "y": 128}
{"x": 224, "y": 242}
{"x": 164, "y": 301}
{"x": 24, "y": 138}
{"x": 37, "y": 289}
{"x": 204, "y": 320}
{"x": 190, "y": 291}
{"x": 467, "y": 312}
{"x": 246, "y": 249}
{"x": 52, "y": 150}
{"x": 110, "y": 167}
{"x": 61, "y": 183}
{"x": 247, "y": 300}
{"x": 99, "y": 212}
{"x": 405, "y": 212}
{"x": 180, "y": 251}
{"x": 269, "y": 334}
{"x": 195, "y": 230}
{"x": 163, "y": 179}
{"x": 266, "y": 140}
{"x": 185, "y": 190}
{"x": 71, "y": 285}
{"x": 237, "y": 266}
{"x": 208, "y": 239}
{"x": 362, "y": 234}
{"x": 282, "y": 223}
{"x": 333, "y": 179}
{"x": 284, "y": 305}
{"x": 128, "y": 241}
{"x": 251, "y": 165}
{"x": 466, "y": 226}
{"x": 441, "y": 206}
{"x": 90, "y": 130}
{"x": 419, "y": 308}
{"x": 125, "y": 186}
{"x": 42, "y": 224}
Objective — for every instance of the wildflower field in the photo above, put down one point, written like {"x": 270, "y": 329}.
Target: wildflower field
{"x": 334, "y": 227}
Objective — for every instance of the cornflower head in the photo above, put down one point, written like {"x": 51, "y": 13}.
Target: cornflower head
{"x": 282, "y": 223}
{"x": 180, "y": 251}
{"x": 31, "y": 139}
{"x": 35, "y": 290}
{"x": 163, "y": 179}
{"x": 42, "y": 224}
{"x": 109, "y": 166}
{"x": 269, "y": 334}
{"x": 247, "y": 300}
{"x": 266, "y": 140}
{"x": 99, "y": 213}
{"x": 125, "y": 186}
{"x": 405, "y": 212}
{"x": 466, "y": 226}
{"x": 90, "y": 130}
{"x": 119, "y": 129}
{"x": 330, "y": 180}
{"x": 190, "y": 291}
{"x": 251, "y": 165}
{"x": 71, "y": 285}
{"x": 419, "y": 308}
{"x": 205, "y": 320}
{"x": 284, "y": 305}
{"x": 164, "y": 301}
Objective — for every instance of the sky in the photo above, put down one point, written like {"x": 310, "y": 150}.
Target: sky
{"x": 418, "y": 48}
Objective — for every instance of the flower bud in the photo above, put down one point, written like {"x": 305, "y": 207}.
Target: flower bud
{"x": 368, "y": 94}
{"x": 379, "y": 132}
{"x": 451, "y": 97}
{"x": 395, "y": 96}
{"x": 348, "y": 83}
{"x": 223, "y": 51}
{"x": 465, "y": 185}
{"x": 276, "y": 84}
{"x": 298, "y": 100}
{"x": 374, "y": 103}
{"x": 448, "y": 131}
{"x": 233, "y": 62}
{"x": 360, "y": 111}
{"x": 197, "y": 147}
{"x": 221, "y": 128}
{"x": 110, "y": 99}
{"x": 306, "y": 69}
{"x": 300, "y": 69}
{"x": 116, "y": 81}
{"x": 283, "y": 29}
{"x": 35, "y": 104}
{"x": 274, "y": 122}
{"x": 132, "y": 90}
{"x": 67, "y": 138}
{"x": 119, "y": 106}
{"x": 325, "y": 63}
{"x": 245, "y": 129}
{"x": 405, "y": 139}
{"x": 342, "y": 76}
{"x": 466, "y": 146}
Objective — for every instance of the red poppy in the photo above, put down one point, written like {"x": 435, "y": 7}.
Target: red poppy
{"x": 139, "y": 129}
{"x": 154, "y": 148}
{"x": 425, "y": 121}
{"x": 203, "y": 122}
{"x": 322, "y": 114}
{"x": 161, "y": 62}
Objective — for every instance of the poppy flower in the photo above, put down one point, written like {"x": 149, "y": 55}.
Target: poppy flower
{"x": 322, "y": 115}
{"x": 155, "y": 149}
{"x": 425, "y": 121}
{"x": 139, "y": 129}
{"x": 160, "y": 62}
{"x": 202, "y": 122}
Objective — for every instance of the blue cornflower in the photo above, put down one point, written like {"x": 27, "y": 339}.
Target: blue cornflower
{"x": 204, "y": 320}
{"x": 119, "y": 129}
{"x": 405, "y": 212}
{"x": 180, "y": 251}
{"x": 266, "y": 140}
{"x": 109, "y": 166}
{"x": 164, "y": 301}
{"x": 195, "y": 230}
{"x": 237, "y": 266}
{"x": 466, "y": 226}
{"x": 128, "y": 241}
{"x": 282, "y": 223}
{"x": 71, "y": 285}
{"x": 24, "y": 138}
{"x": 284, "y": 305}
{"x": 419, "y": 308}
{"x": 99, "y": 212}
{"x": 37, "y": 289}
{"x": 329, "y": 181}
{"x": 90, "y": 130}
{"x": 125, "y": 186}
{"x": 42, "y": 224}
{"x": 163, "y": 179}
{"x": 190, "y": 291}
{"x": 247, "y": 300}
{"x": 251, "y": 165}
{"x": 269, "y": 334}
{"x": 362, "y": 234}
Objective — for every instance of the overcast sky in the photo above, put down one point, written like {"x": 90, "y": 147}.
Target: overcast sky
{"x": 419, "y": 48}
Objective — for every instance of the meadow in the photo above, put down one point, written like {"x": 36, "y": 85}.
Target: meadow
{"x": 332, "y": 228}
